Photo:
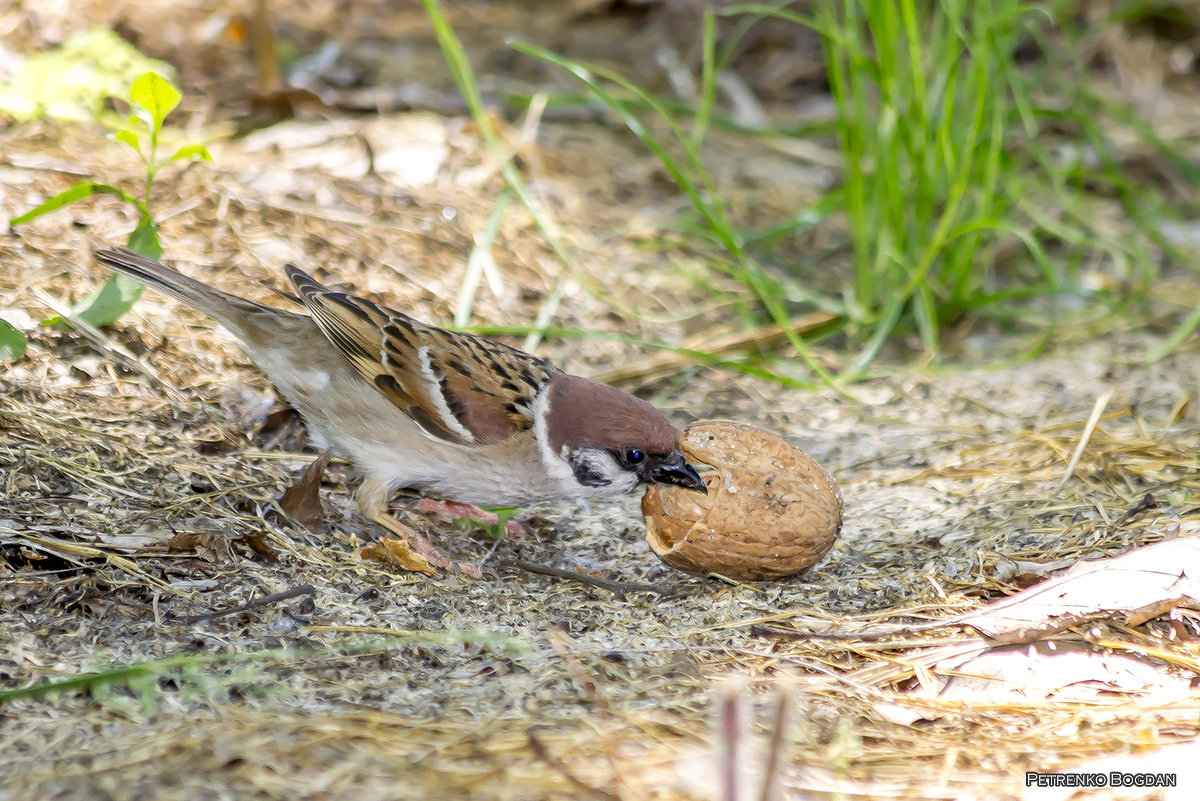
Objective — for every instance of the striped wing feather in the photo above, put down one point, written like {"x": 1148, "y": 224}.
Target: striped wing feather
{"x": 458, "y": 387}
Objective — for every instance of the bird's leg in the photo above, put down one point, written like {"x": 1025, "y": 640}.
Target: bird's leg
{"x": 469, "y": 512}
{"x": 371, "y": 498}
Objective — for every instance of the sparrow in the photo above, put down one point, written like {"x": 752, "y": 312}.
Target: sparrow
{"x": 448, "y": 414}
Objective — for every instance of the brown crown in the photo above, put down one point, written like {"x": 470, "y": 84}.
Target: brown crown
{"x": 585, "y": 412}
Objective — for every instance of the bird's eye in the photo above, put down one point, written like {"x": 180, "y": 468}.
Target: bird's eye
{"x": 634, "y": 456}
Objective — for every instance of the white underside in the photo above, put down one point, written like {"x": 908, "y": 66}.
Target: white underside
{"x": 389, "y": 448}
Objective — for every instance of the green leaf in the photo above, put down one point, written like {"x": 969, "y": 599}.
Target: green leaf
{"x": 144, "y": 239}
{"x": 110, "y": 302}
{"x": 12, "y": 342}
{"x": 118, "y": 294}
{"x": 191, "y": 153}
{"x": 128, "y": 137}
{"x": 156, "y": 95}
{"x": 79, "y": 191}
{"x": 65, "y": 198}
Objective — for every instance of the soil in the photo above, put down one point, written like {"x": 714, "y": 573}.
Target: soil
{"x": 253, "y": 657}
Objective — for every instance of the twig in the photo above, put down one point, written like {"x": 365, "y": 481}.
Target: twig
{"x": 1147, "y": 503}
{"x": 543, "y": 754}
{"x": 266, "y": 600}
{"x": 771, "y": 789}
{"x": 729, "y": 740}
{"x": 869, "y": 632}
{"x": 619, "y": 587}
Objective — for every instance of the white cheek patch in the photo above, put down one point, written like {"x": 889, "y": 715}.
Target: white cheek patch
{"x": 593, "y": 466}
{"x": 556, "y": 464}
{"x": 604, "y": 470}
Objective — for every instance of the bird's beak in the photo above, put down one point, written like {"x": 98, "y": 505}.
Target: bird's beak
{"x": 676, "y": 470}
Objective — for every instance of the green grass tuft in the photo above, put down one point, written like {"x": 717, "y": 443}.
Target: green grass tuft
{"x": 978, "y": 178}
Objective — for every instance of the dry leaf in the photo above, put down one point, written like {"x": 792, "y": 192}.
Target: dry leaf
{"x": 397, "y": 554}
{"x": 145, "y": 536}
{"x": 1137, "y": 617}
{"x": 1162, "y": 575}
{"x": 1134, "y": 584}
{"x": 1059, "y": 671}
{"x": 184, "y": 541}
{"x": 302, "y": 500}
{"x": 257, "y": 541}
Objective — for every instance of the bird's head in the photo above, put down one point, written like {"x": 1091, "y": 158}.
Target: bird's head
{"x": 611, "y": 440}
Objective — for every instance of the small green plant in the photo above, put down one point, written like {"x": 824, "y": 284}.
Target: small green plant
{"x": 496, "y": 530}
{"x": 925, "y": 98}
{"x": 921, "y": 128}
{"x": 151, "y": 98}
{"x": 690, "y": 173}
{"x": 12, "y": 342}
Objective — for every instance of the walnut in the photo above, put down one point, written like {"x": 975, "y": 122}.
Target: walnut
{"x": 770, "y": 511}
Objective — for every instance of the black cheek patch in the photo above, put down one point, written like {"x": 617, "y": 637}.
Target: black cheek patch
{"x": 585, "y": 475}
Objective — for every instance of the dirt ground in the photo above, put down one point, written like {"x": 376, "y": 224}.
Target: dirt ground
{"x": 139, "y": 472}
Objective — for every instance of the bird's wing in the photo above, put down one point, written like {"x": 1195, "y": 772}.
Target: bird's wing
{"x": 457, "y": 387}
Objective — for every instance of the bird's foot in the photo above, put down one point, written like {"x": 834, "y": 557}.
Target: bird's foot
{"x": 469, "y": 512}
{"x": 421, "y": 545}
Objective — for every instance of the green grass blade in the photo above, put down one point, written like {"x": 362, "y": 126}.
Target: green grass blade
{"x": 78, "y": 192}
{"x": 464, "y": 78}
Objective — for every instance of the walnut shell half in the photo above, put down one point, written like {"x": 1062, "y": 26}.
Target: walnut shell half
{"x": 770, "y": 511}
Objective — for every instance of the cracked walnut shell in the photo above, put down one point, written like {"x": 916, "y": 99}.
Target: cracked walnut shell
{"x": 770, "y": 511}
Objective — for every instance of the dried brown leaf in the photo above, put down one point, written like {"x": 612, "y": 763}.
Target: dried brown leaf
{"x": 1136, "y": 617}
{"x": 257, "y": 541}
{"x": 302, "y": 500}
{"x": 398, "y": 554}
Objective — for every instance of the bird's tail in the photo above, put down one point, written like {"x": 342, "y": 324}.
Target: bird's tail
{"x": 229, "y": 310}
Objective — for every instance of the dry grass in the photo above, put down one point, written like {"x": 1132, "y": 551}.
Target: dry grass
{"x": 133, "y": 503}
{"x": 136, "y": 497}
